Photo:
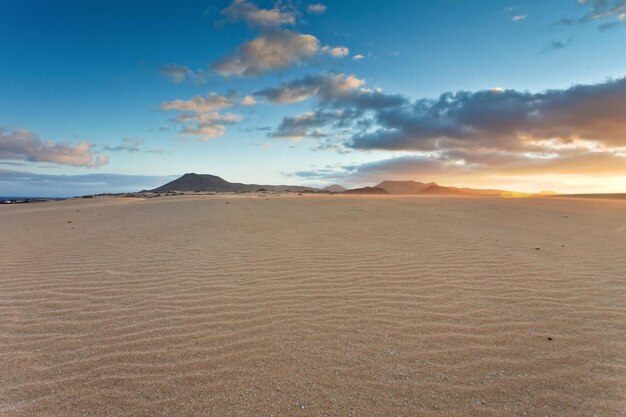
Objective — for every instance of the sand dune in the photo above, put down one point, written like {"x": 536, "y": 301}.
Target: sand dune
{"x": 313, "y": 306}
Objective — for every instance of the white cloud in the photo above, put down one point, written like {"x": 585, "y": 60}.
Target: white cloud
{"x": 358, "y": 57}
{"x": 23, "y": 145}
{"x": 198, "y": 104}
{"x": 337, "y": 52}
{"x": 274, "y": 50}
{"x": 252, "y": 15}
{"x": 519, "y": 17}
{"x": 248, "y": 101}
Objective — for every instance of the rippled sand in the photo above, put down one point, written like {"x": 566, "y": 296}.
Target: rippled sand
{"x": 335, "y": 305}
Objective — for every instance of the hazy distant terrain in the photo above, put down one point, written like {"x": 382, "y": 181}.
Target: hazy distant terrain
{"x": 211, "y": 183}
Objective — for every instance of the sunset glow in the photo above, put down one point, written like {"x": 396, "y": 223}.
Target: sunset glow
{"x": 529, "y": 97}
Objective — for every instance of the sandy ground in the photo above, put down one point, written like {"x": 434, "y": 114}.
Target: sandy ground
{"x": 313, "y": 306}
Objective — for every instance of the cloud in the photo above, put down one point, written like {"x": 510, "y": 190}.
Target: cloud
{"x": 20, "y": 183}
{"x": 407, "y": 166}
{"x": 341, "y": 105}
{"x": 206, "y": 125}
{"x": 157, "y": 151}
{"x": 198, "y": 104}
{"x": 275, "y": 50}
{"x": 316, "y": 8}
{"x": 128, "y": 145}
{"x": 555, "y": 45}
{"x": 453, "y": 169}
{"x": 248, "y": 101}
{"x": 179, "y": 73}
{"x": 243, "y": 10}
{"x": 133, "y": 145}
{"x": 607, "y": 13}
{"x": 23, "y": 145}
{"x": 572, "y": 131}
{"x": 358, "y": 57}
{"x": 133, "y": 141}
{"x": 202, "y": 117}
{"x": 325, "y": 86}
{"x": 336, "y": 52}
{"x": 307, "y": 125}
{"x": 503, "y": 119}
{"x": 519, "y": 17}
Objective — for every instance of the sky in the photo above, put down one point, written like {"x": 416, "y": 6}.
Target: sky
{"x": 111, "y": 96}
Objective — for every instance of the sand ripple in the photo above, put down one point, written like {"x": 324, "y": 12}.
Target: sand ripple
{"x": 320, "y": 306}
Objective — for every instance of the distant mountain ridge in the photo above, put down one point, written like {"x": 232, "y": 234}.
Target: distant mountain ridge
{"x": 367, "y": 190}
{"x": 402, "y": 187}
{"x": 212, "y": 183}
{"x": 335, "y": 188}
{"x": 416, "y": 188}
{"x": 431, "y": 188}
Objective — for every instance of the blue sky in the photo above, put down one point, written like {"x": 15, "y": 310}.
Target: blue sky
{"x": 84, "y": 88}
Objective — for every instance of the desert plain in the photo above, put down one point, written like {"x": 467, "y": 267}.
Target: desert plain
{"x": 287, "y": 305}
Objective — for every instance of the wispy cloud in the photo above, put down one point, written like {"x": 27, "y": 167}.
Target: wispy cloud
{"x": 555, "y": 45}
{"x": 519, "y": 17}
{"x": 180, "y": 73}
{"x": 133, "y": 145}
{"x": 316, "y": 8}
{"x": 607, "y": 14}
{"x": 128, "y": 145}
{"x": 199, "y": 104}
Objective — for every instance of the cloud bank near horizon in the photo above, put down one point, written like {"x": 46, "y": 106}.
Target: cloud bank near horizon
{"x": 27, "y": 184}
{"x": 22, "y": 145}
{"x": 579, "y": 129}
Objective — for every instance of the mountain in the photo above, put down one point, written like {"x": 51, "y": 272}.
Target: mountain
{"x": 367, "y": 190}
{"x": 402, "y": 187}
{"x": 416, "y": 188}
{"x": 212, "y": 183}
{"x": 335, "y": 188}
{"x": 420, "y": 188}
{"x": 436, "y": 189}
